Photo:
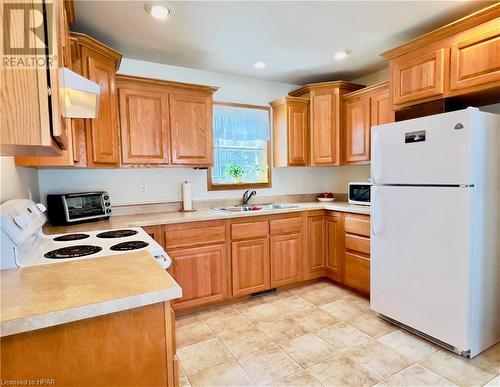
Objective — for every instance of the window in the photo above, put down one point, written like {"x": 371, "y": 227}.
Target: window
{"x": 241, "y": 147}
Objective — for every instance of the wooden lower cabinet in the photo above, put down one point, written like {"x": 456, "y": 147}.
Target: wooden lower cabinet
{"x": 250, "y": 266}
{"x": 334, "y": 246}
{"x": 286, "y": 259}
{"x": 316, "y": 231}
{"x": 101, "y": 351}
{"x": 357, "y": 272}
{"x": 202, "y": 274}
{"x": 155, "y": 232}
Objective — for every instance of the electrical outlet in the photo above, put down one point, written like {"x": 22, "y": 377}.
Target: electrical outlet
{"x": 144, "y": 190}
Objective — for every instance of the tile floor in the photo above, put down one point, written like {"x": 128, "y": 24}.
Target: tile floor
{"x": 316, "y": 335}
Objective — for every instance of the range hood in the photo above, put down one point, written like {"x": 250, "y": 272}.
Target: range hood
{"x": 79, "y": 96}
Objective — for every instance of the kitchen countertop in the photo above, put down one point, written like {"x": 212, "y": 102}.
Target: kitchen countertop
{"x": 46, "y": 295}
{"x": 157, "y": 218}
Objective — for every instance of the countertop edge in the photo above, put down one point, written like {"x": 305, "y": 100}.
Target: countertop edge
{"x": 46, "y": 320}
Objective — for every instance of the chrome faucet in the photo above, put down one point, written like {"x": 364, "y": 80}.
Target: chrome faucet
{"x": 247, "y": 195}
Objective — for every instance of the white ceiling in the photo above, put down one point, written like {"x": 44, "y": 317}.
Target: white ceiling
{"x": 296, "y": 39}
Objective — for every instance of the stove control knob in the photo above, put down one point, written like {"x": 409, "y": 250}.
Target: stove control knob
{"x": 41, "y": 207}
{"x": 22, "y": 220}
{"x": 108, "y": 204}
{"x": 108, "y": 211}
{"x": 105, "y": 197}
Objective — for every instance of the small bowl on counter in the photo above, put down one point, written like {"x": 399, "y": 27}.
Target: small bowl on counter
{"x": 326, "y": 197}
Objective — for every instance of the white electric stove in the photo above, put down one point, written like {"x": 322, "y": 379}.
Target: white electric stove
{"x": 24, "y": 244}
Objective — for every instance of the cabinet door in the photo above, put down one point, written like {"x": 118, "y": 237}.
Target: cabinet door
{"x": 418, "y": 76}
{"x": 102, "y": 132}
{"x": 191, "y": 129}
{"x": 286, "y": 259}
{"x": 317, "y": 246}
{"x": 357, "y": 272}
{"x": 335, "y": 247}
{"x": 323, "y": 129}
{"x": 357, "y": 138}
{"x": 381, "y": 107}
{"x": 155, "y": 232}
{"x": 144, "y": 126}
{"x": 251, "y": 271}
{"x": 475, "y": 58}
{"x": 297, "y": 123}
{"x": 201, "y": 273}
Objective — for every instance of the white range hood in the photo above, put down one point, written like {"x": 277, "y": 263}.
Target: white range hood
{"x": 79, "y": 96}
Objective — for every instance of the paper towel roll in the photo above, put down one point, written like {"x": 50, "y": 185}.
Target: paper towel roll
{"x": 187, "y": 197}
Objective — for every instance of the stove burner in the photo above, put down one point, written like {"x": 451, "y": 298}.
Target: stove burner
{"x": 72, "y": 252}
{"x": 116, "y": 233}
{"x": 71, "y": 237}
{"x": 131, "y": 245}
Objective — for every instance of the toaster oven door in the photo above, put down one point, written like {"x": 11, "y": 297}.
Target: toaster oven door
{"x": 359, "y": 194}
{"x": 84, "y": 206}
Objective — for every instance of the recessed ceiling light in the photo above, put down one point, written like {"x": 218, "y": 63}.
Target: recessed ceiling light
{"x": 158, "y": 11}
{"x": 259, "y": 64}
{"x": 341, "y": 54}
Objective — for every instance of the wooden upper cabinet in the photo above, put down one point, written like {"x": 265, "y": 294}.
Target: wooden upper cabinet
{"x": 286, "y": 259}
{"x": 250, "y": 266}
{"x": 325, "y": 119}
{"x": 144, "y": 126}
{"x": 357, "y": 134}
{"x": 460, "y": 59}
{"x": 191, "y": 129}
{"x": 418, "y": 76}
{"x": 291, "y": 131}
{"x": 363, "y": 109}
{"x": 202, "y": 274}
{"x": 475, "y": 58}
{"x": 31, "y": 124}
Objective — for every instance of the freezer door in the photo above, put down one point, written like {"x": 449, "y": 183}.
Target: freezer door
{"x": 427, "y": 150}
{"x": 420, "y": 259}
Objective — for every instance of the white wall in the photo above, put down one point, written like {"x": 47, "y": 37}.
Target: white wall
{"x": 164, "y": 184}
{"x": 17, "y": 182}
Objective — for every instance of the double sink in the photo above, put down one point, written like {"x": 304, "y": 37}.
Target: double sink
{"x": 257, "y": 207}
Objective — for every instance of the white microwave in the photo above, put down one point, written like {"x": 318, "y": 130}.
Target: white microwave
{"x": 359, "y": 193}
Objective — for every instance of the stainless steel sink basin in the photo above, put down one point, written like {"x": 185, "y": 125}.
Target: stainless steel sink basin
{"x": 261, "y": 207}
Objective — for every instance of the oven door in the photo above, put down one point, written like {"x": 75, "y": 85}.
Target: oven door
{"x": 359, "y": 194}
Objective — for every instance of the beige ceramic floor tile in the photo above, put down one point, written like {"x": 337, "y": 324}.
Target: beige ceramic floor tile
{"x": 191, "y": 331}
{"x": 309, "y": 349}
{"x": 245, "y": 342}
{"x": 261, "y": 313}
{"x": 221, "y": 311}
{"x": 181, "y": 370}
{"x": 359, "y": 301}
{"x": 342, "y": 371}
{"x": 343, "y": 336}
{"x": 314, "y": 319}
{"x": 417, "y": 375}
{"x": 342, "y": 310}
{"x": 293, "y": 304}
{"x": 379, "y": 359}
{"x": 489, "y": 360}
{"x": 228, "y": 373}
{"x": 200, "y": 356}
{"x": 269, "y": 365}
{"x": 246, "y": 304}
{"x": 371, "y": 324}
{"x": 493, "y": 382}
{"x": 300, "y": 379}
{"x": 281, "y": 331}
{"x": 457, "y": 369}
{"x": 187, "y": 319}
{"x": 406, "y": 344}
{"x": 323, "y": 295}
{"x": 229, "y": 323}
{"x": 184, "y": 382}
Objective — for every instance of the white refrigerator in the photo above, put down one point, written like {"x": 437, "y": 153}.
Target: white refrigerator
{"x": 435, "y": 240}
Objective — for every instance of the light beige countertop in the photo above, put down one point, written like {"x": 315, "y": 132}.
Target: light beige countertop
{"x": 46, "y": 295}
{"x": 157, "y": 218}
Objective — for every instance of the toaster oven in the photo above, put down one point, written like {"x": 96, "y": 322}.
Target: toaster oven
{"x": 78, "y": 207}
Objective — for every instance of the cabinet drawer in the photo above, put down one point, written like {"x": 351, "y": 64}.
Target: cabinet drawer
{"x": 285, "y": 226}
{"x": 193, "y": 234}
{"x": 357, "y": 243}
{"x": 249, "y": 230}
{"x": 357, "y": 224}
{"x": 357, "y": 272}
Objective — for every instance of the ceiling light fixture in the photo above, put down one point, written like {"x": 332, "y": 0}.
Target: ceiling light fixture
{"x": 259, "y": 64}
{"x": 158, "y": 11}
{"x": 339, "y": 55}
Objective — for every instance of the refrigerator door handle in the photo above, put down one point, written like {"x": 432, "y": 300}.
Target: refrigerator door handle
{"x": 376, "y": 159}
{"x": 376, "y": 212}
